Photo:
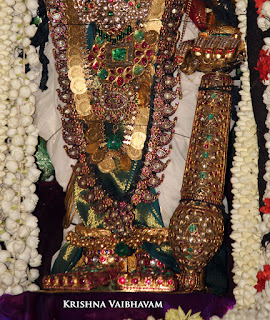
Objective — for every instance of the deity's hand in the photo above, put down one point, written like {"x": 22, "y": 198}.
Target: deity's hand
{"x": 217, "y": 49}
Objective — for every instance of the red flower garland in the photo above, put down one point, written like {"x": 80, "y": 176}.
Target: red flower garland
{"x": 262, "y": 277}
{"x": 258, "y": 5}
{"x": 263, "y": 65}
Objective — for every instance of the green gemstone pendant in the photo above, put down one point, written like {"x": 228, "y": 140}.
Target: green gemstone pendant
{"x": 114, "y": 142}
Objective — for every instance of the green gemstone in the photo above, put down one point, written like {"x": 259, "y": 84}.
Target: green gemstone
{"x": 138, "y": 69}
{"x": 198, "y": 202}
{"x": 138, "y": 6}
{"x": 99, "y": 40}
{"x": 192, "y": 228}
{"x": 202, "y": 174}
{"x": 139, "y": 35}
{"x": 103, "y": 74}
{"x": 110, "y": 13}
{"x": 114, "y": 142}
{"x": 199, "y": 190}
{"x": 205, "y": 155}
{"x": 119, "y": 54}
{"x": 213, "y": 95}
{"x": 210, "y": 116}
{"x": 122, "y": 249}
{"x": 189, "y": 256}
{"x": 208, "y": 137}
{"x": 190, "y": 249}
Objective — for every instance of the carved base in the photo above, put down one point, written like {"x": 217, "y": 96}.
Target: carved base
{"x": 191, "y": 280}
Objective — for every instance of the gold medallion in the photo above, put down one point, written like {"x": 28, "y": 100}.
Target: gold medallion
{"x": 137, "y": 140}
{"x": 125, "y": 162}
{"x": 78, "y": 86}
{"x": 73, "y": 51}
{"x": 92, "y": 147}
{"x": 93, "y": 134}
{"x": 151, "y": 37}
{"x": 74, "y": 61}
{"x": 84, "y": 108}
{"x": 134, "y": 154}
{"x": 97, "y": 156}
{"x": 75, "y": 72}
{"x": 107, "y": 165}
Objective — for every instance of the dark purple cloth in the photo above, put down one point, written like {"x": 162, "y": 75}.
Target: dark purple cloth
{"x": 50, "y": 306}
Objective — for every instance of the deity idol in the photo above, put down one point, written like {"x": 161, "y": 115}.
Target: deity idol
{"x": 125, "y": 69}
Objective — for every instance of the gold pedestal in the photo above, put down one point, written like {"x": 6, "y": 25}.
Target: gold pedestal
{"x": 191, "y": 280}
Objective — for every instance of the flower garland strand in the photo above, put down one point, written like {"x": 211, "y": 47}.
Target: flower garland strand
{"x": 18, "y": 172}
{"x": 246, "y": 222}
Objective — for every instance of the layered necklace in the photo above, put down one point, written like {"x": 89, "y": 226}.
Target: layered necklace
{"x": 106, "y": 91}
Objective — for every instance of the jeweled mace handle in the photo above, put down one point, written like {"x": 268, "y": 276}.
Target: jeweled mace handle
{"x": 196, "y": 227}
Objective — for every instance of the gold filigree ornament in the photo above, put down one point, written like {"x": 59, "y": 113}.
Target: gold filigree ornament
{"x": 215, "y": 49}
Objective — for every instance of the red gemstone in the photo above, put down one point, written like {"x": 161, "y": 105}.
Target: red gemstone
{"x": 70, "y": 281}
{"x": 111, "y": 78}
{"x": 82, "y": 281}
{"x": 122, "y": 280}
{"x": 128, "y": 76}
{"x": 102, "y": 56}
{"x": 102, "y": 259}
{"x": 144, "y": 45}
{"x": 112, "y": 71}
{"x": 95, "y": 66}
{"x": 120, "y": 81}
{"x": 138, "y": 53}
{"x": 144, "y": 61}
{"x": 170, "y": 281}
{"x": 147, "y": 281}
{"x": 159, "y": 281}
{"x": 134, "y": 280}
{"x": 128, "y": 69}
{"x": 61, "y": 281}
{"x": 136, "y": 45}
{"x": 130, "y": 3}
{"x": 136, "y": 60}
{"x": 90, "y": 57}
{"x": 95, "y": 49}
{"x": 149, "y": 53}
{"x": 128, "y": 38}
{"x": 120, "y": 70}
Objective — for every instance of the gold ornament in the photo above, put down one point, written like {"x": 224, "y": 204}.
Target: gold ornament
{"x": 107, "y": 165}
{"x": 78, "y": 85}
{"x": 137, "y": 140}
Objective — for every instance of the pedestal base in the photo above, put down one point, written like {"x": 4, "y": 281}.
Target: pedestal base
{"x": 191, "y": 280}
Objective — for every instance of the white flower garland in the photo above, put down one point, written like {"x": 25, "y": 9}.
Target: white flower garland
{"x": 18, "y": 140}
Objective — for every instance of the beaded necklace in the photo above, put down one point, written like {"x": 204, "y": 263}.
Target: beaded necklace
{"x": 119, "y": 214}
